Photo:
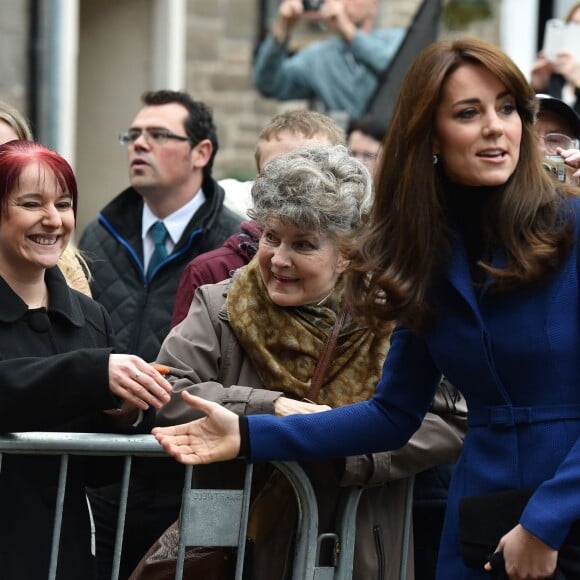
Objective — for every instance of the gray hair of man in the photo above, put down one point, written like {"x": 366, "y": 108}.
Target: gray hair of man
{"x": 317, "y": 188}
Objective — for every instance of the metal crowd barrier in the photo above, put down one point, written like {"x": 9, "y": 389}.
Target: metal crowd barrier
{"x": 227, "y": 510}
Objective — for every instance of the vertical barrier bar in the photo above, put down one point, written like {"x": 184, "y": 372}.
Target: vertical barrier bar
{"x": 307, "y": 533}
{"x": 120, "y": 532}
{"x": 347, "y": 533}
{"x": 58, "y": 517}
{"x": 244, "y": 522}
{"x": 181, "y": 550}
{"x": 407, "y": 527}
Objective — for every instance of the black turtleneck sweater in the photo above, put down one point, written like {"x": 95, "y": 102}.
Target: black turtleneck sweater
{"x": 466, "y": 205}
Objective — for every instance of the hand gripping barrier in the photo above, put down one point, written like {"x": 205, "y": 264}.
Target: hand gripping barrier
{"x": 223, "y": 513}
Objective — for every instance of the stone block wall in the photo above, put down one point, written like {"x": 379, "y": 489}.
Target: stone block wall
{"x": 13, "y": 42}
{"x": 222, "y": 36}
{"x": 221, "y": 39}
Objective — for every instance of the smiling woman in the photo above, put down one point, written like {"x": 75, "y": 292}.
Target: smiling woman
{"x": 39, "y": 222}
{"x": 37, "y": 217}
{"x": 472, "y": 247}
{"x": 13, "y": 125}
{"x": 56, "y": 367}
{"x": 478, "y": 137}
{"x": 253, "y": 344}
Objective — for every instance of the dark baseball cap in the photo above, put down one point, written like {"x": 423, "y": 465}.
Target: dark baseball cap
{"x": 549, "y": 103}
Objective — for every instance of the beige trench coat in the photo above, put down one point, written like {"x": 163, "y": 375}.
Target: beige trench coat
{"x": 204, "y": 354}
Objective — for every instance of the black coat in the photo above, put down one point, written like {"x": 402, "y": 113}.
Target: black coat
{"x": 53, "y": 377}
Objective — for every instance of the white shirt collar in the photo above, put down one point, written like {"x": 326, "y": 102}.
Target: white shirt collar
{"x": 175, "y": 222}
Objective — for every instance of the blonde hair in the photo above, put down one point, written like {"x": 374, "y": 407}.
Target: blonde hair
{"x": 75, "y": 269}
{"x": 306, "y": 123}
{"x": 15, "y": 119}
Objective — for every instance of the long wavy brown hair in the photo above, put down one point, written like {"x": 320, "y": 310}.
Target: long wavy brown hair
{"x": 403, "y": 247}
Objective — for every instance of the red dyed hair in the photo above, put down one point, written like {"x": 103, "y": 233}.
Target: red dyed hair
{"x": 15, "y": 156}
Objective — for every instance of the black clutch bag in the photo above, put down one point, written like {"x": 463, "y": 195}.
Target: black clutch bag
{"x": 484, "y": 519}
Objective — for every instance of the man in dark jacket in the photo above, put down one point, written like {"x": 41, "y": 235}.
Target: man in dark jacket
{"x": 171, "y": 147}
{"x": 137, "y": 249}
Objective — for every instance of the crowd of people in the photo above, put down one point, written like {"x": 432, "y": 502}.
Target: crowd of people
{"x": 436, "y": 257}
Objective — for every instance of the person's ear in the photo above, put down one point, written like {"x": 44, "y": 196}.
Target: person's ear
{"x": 201, "y": 153}
{"x": 341, "y": 264}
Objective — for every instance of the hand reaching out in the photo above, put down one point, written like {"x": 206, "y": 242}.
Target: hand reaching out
{"x": 137, "y": 383}
{"x": 215, "y": 437}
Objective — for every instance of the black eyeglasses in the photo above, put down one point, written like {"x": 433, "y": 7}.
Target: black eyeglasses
{"x": 151, "y": 134}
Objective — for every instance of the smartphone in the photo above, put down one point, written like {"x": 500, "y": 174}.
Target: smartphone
{"x": 561, "y": 36}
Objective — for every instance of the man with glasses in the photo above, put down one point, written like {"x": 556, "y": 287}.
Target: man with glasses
{"x": 365, "y": 140}
{"x": 172, "y": 212}
{"x": 559, "y": 128}
{"x": 137, "y": 249}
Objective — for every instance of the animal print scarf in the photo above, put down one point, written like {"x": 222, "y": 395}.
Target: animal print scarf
{"x": 285, "y": 343}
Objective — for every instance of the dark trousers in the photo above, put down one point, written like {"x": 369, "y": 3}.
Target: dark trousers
{"x": 429, "y": 503}
{"x": 153, "y": 505}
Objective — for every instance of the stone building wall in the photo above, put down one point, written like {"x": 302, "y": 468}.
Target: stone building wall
{"x": 221, "y": 39}
{"x": 13, "y": 42}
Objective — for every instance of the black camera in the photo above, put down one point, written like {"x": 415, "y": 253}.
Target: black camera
{"x": 312, "y": 5}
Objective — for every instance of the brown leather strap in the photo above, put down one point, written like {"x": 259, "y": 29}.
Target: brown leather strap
{"x": 324, "y": 359}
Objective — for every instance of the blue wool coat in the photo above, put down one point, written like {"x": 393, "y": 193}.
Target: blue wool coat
{"x": 516, "y": 358}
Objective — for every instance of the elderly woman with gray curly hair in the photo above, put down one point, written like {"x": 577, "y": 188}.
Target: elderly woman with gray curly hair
{"x": 252, "y": 344}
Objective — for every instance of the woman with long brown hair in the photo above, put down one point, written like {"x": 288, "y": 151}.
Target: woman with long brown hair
{"x": 472, "y": 248}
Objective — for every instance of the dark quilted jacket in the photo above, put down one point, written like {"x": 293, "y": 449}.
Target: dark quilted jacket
{"x": 141, "y": 311}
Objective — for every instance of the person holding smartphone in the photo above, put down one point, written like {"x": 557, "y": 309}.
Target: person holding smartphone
{"x": 341, "y": 71}
{"x": 560, "y": 77}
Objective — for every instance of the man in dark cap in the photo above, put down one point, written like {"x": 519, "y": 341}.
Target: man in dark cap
{"x": 559, "y": 128}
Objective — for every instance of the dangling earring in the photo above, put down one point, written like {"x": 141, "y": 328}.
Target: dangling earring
{"x": 435, "y": 159}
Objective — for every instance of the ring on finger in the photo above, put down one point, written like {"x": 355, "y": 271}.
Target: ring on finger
{"x": 137, "y": 375}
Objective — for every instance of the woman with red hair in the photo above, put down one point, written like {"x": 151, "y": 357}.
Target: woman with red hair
{"x": 57, "y": 370}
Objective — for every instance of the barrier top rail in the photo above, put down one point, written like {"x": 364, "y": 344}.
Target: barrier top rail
{"x": 55, "y": 443}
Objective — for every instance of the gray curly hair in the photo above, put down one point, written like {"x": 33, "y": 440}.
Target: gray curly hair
{"x": 318, "y": 188}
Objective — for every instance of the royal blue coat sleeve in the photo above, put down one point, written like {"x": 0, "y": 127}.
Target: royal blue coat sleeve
{"x": 385, "y": 422}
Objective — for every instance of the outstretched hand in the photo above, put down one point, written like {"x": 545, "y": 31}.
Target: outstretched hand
{"x": 215, "y": 437}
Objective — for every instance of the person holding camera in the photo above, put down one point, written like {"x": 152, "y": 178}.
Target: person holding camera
{"x": 341, "y": 71}
{"x": 558, "y": 126}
